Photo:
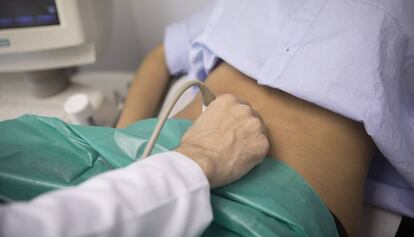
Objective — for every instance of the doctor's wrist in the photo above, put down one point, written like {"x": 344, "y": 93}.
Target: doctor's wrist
{"x": 199, "y": 155}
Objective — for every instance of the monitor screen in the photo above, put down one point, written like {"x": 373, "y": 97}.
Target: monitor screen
{"x": 28, "y": 13}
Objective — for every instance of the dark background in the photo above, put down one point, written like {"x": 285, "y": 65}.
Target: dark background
{"x": 36, "y": 13}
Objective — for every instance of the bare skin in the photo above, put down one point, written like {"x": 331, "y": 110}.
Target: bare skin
{"x": 148, "y": 88}
{"x": 227, "y": 140}
{"x": 331, "y": 152}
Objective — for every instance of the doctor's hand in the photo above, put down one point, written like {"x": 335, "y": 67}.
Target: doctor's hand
{"x": 227, "y": 140}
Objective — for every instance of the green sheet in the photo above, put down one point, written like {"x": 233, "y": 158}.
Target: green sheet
{"x": 39, "y": 154}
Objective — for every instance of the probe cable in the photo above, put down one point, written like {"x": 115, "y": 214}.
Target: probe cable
{"x": 207, "y": 96}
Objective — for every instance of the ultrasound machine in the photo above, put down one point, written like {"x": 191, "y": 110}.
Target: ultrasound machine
{"x": 42, "y": 43}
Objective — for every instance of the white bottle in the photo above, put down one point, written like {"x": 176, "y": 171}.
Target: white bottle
{"x": 79, "y": 109}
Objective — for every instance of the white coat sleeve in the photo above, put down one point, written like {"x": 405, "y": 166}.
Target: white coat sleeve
{"x": 164, "y": 195}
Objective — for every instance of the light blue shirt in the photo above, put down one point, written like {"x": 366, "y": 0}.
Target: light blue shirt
{"x": 353, "y": 57}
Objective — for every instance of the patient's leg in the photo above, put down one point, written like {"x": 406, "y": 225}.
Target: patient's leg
{"x": 330, "y": 151}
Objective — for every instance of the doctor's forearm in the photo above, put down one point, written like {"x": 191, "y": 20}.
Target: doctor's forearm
{"x": 147, "y": 90}
{"x": 166, "y": 195}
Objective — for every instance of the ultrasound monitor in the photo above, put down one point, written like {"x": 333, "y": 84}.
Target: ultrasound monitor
{"x": 22, "y": 13}
{"x": 45, "y": 38}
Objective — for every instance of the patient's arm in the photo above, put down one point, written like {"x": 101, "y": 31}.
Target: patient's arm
{"x": 147, "y": 90}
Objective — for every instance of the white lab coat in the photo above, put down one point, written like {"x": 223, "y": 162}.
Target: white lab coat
{"x": 165, "y": 195}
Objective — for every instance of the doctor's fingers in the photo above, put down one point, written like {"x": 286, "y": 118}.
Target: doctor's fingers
{"x": 255, "y": 125}
{"x": 252, "y": 116}
{"x": 239, "y": 108}
{"x": 262, "y": 145}
{"x": 260, "y": 137}
{"x": 257, "y": 115}
{"x": 263, "y": 127}
{"x": 230, "y": 100}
